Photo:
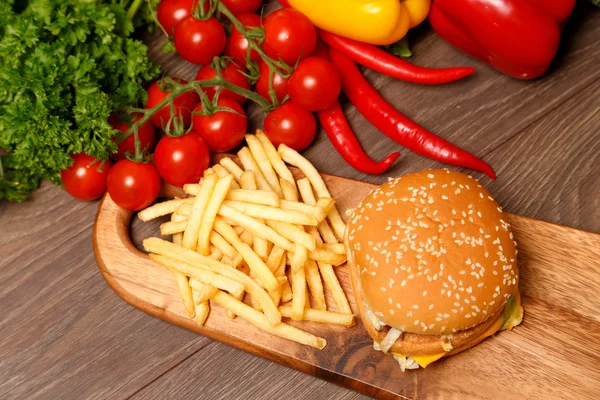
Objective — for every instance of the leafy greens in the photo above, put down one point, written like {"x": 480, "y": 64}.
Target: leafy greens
{"x": 65, "y": 66}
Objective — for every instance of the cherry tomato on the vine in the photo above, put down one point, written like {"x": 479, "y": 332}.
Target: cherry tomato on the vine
{"x": 86, "y": 178}
{"x": 171, "y": 12}
{"x": 315, "y": 84}
{"x": 199, "y": 41}
{"x": 146, "y": 135}
{"x": 238, "y": 7}
{"x": 184, "y": 104}
{"x": 132, "y": 185}
{"x": 279, "y": 83}
{"x": 181, "y": 159}
{"x": 237, "y": 44}
{"x": 232, "y": 73}
{"x": 289, "y": 35}
{"x": 224, "y": 130}
{"x": 291, "y": 125}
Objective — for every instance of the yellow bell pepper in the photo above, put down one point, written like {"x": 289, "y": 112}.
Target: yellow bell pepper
{"x": 379, "y": 22}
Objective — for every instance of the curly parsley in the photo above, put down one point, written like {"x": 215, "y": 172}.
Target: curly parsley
{"x": 66, "y": 65}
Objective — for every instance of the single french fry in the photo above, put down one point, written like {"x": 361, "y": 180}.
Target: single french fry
{"x": 202, "y": 311}
{"x": 250, "y": 164}
{"x": 240, "y": 297}
{"x": 202, "y": 275}
{"x": 215, "y": 253}
{"x": 292, "y": 233}
{"x": 273, "y": 213}
{"x": 255, "y": 227}
{"x": 220, "y": 243}
{"x": 286, "y": 292}
{"x": 323, "y": 316}
{"x": 190, "y": 235}
{"x": 261, "y": 197}
{"x": 274, "y": 158}
{"x": 309, "y": 198}
{"x": 290, "y": 191}
{"x": 327, "y": 257}
{"x": 327, "y": 233}
{"x": 258, "y": 152}
{"x": 210, "y": 213}
{"x": 294, "y": 158}
{"x": 172, "y": 228}
{"x": 331, "y": 281}
{"x": 306, "y": 191}
{"x": 183, "y": 285}
{"x": 317, "y": 213}
{"x": 259, "y": 320}
{"x": 237, "y": 261}
{"x": 202, "y": 292}
{"x": 337, "y": 248}
{"x": 299, "y": 293}
{"x": 280, "y": 270}
{"x": 274, "y": 259}
{"x": 247, "y": 238}
{"x": 223, "y": 173}
{"x": 231, "y": 167}
{"x": 163, "y": 247}
{"x": 313, "y": 278}
{"x": 159, "y": 209}
{"x": 261, "y": 248}
{"x": 192, "y": 188}
{"x": 299, "y": 259}
{"x": 256, "y": 264}
{"x": 248, "y": 181}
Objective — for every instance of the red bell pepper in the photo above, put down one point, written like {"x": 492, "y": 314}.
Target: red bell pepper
{"x": 517, "y": 37}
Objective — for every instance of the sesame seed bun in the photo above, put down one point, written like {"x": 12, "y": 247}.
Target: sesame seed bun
{"x": 432, "y": 255}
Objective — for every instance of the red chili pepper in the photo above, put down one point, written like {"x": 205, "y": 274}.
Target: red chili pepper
{"x": 341, "y": 136}
{"x": 394, "y": 124}
{"x": 381, "y": 61}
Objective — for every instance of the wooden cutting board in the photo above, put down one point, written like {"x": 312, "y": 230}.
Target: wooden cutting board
{"x": 555, "y": 353}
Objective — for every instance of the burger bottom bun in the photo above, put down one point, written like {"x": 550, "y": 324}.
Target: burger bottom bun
{"x": 412, "y": 344}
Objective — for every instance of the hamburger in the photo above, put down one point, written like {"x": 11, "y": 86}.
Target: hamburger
{"x": 433, "y": 265}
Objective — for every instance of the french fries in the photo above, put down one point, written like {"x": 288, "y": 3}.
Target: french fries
{"x": 246, "y": 231}
{"x": 258, "y": 152}
{"x": 326, "y": 317}
{"x": 258, "y": 319}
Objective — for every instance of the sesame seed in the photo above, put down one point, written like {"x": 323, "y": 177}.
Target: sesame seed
{"x": 431, "y": 306}
{"x": 417, "y": 322}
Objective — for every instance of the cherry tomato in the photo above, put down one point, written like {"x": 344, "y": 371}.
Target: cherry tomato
{"x": 320, "y": 50}
{"x": 232, "y": 73}
{"x": 146, "y": 135}
{"x": 315, "y": 84}
{"x": 237, "y": 45}
{"x": 279, "y": 83}
{"x": 84, "y": 181}
{"x": 182, "y": 159}
{"x": 199, "y": 41}
{"x": 171, "y": 12}
{"x": 289, "y": 35}
{"x": 132, "y": 185}
{"x": 184, "y": 104}
{"x": 224, "y": 130}
{"x": 291, "y": 125}
{"x": 238, "y": 7}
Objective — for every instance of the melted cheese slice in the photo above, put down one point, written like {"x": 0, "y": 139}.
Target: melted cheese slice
{"x": 515, "y": 319}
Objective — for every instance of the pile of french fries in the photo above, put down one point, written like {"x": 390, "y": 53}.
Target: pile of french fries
{"x": 252, "y": 239}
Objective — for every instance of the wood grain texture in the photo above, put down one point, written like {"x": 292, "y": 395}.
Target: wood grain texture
{"x": 556, "y": 299}
{"x": 65, "y": 334}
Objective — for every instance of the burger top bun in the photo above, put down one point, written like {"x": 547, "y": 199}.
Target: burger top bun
{"x": 433, "y": 252}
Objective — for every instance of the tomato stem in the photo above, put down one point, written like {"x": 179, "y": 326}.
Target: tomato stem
{"x": 193, "y": 86}
{"x": 251, "y": 43}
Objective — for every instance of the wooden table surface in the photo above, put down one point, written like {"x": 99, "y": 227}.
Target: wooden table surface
{"x": 64, "y": 334}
